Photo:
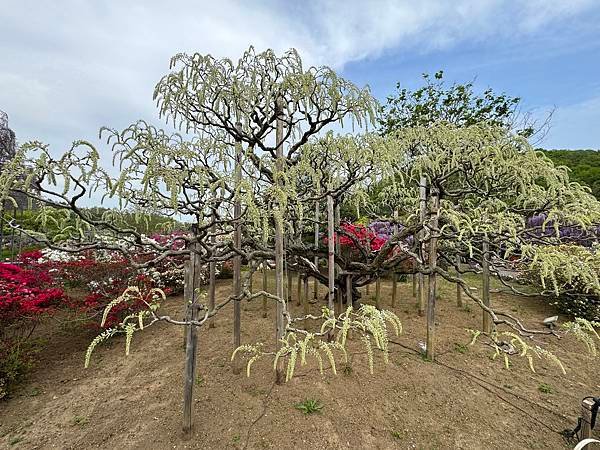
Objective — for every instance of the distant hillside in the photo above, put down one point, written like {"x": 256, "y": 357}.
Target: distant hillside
{"x": 584, "y": 165}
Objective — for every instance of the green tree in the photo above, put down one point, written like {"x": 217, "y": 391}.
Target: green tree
{"x": 458, "y": 104}
{"x": 584, "y": 166}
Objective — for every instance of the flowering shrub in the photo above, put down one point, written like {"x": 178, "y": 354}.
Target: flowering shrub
{"x": 371, "y": 237}
{"x": 25, "y": 296}
{"x": 572, "y": 273}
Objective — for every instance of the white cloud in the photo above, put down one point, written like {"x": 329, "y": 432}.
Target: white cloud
{"x": 69, "y": 67}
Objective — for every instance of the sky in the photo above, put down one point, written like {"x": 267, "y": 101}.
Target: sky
{"x": 69, "y": 67}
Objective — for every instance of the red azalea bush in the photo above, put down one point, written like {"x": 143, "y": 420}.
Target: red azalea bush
{"x": 364, "y": 236}
{"x": 95, "y": 278}
{"x": 25, "y": 296}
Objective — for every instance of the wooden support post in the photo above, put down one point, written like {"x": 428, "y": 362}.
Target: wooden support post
{"x": 422, "y": 213}
{"x": 459, "y": 288}
{"x": 349, "y": 296}
{"x": 279, "y": 256}
{"x": 305, "y": 301}
{"x": 290, "y": 282}
{"x": 191, "y": 347}
{"x": 212, "y": 280}
{"x": 394, "y": 274}
{"x": 435, "y": 203}
{"x": 485, "y": 265}
{"x": 367, "y": 289}
{"x": 265, "y": 287}
{"x": 330, "y": 253}
{"x": 338, "y": 252}
{"x": 299, "y": 290}
{"x": 237, "y": 260}
{"x": 316, "y": 261}
{"x": 187, "y": 294}
{"x": 250, "y": 279}
{"x": 378, "y": 293}
{"x": 586, "y": 421}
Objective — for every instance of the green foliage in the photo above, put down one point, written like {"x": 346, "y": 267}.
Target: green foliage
{"x": 545, "y": 388}
{"x": 309, "y": 406}
{"x": 456, "y": 104}
{"x": 80, "y": 421}
{"x": 584, "y": 165}
{"x": 16, "y": 359}
{"x": 460, "y": 348}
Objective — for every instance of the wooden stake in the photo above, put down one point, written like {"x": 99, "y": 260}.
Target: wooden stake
{"x": 187, "y": 294}
{"x": 299, "y": 290}
{"x": 422, "y": 213}
{"x": 316, "y": 261}
{"x": 265, "y": 287}
{"x": 237, "y": 260}
{"x": 338, "y": 253}
{"x": 306, "y": 305}
{"x": 212, "y": 280}
{"x": 330, "y": 253}
{"x": 586, "y": 421}
{"x": 435, "y": 203}
{"x": 349, "y": 296}
{"x": 459, "y": 301}
{"x": 394, "y": 275}
{"x": 191, "y": 347}
{"x": 378, "y": 293}
{"x": 279, "y": 256}
{"x": 487, "y": 319}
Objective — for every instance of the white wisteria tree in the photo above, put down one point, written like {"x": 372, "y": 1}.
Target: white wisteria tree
{"x": 255, "y": 171}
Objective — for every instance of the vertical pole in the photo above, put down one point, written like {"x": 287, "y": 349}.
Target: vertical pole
{"x": 305, "y": 301}
{"x": 459, "y": 301}
{"x": 338, "y": 250}
{"x": 414, "y": 281}
{"x": 290, "y": 282}
{"x": 435, "y": 203}
{"x": 299, "y": 290}
{"x": 349, "y": 296}
{"x": 378, "y": 293}
{"x": 330, "y": 253}
{"x": 265, "y": 288}
{"x": 187, "y": 287}
{"x": 487, "y": 319}
{"x": 237, "y": 260}
{"x": 191, "y": 345}
{"x": 279, "y": 280}
{"x": 394, "y": 275}
{"x": 212, "y": 279}
{"x": 586, "y": 420}
{"x": 422, "y": 212}
{"x": 316, "y": 261}
{"x": 250, "y": 279}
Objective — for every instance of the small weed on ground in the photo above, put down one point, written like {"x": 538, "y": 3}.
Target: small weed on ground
{"x": 460, "y": 348}
{"x": 545, "y": 388}
{"x": 80, "y": 420}
{"x": 309, "y": 406}
{"x": 15, "y": 440}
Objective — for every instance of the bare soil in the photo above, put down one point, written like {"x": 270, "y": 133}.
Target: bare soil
{"x": 464, "y": 400}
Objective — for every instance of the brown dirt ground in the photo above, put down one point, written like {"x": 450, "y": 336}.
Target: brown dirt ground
{"x": 136, "y": 401}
